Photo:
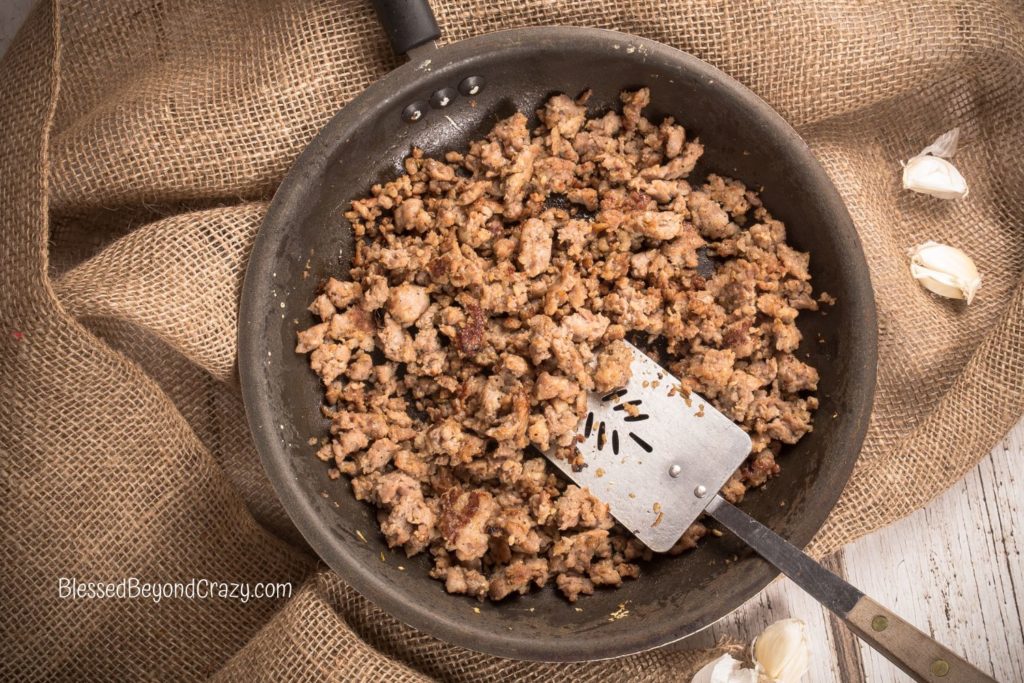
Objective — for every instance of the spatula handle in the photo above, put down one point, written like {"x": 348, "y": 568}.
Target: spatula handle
{"x": 921, "y": 657}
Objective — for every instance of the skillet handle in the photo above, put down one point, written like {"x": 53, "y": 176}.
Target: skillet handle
{"x": 919, "y": 656}
{"x": 408, "y": 23}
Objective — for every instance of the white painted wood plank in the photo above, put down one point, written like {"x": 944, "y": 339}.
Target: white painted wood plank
{"x": 962, "y": 553}
{"x": 779, "y": 600}
{"x": 954, "y": 568}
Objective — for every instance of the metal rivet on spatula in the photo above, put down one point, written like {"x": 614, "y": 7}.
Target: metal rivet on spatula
{"x": 700, "y": 491}
{"x": 675, "y": 471}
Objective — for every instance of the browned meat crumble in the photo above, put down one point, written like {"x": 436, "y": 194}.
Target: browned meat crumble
{"x": 490, "y": 291}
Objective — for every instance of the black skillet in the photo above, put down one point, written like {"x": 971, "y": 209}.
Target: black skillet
{"x": 439, "y": 100}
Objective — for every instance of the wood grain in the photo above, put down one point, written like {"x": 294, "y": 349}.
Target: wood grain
{"x": 953, "y": 569}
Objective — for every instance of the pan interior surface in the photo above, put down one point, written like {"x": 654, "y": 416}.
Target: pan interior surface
{"x": 306, "y": 239}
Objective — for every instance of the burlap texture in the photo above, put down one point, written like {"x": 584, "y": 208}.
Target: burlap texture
{"x": 141, "y": 141}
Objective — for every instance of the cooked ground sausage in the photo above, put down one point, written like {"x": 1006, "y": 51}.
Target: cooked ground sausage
{"x": 490, "y": 291}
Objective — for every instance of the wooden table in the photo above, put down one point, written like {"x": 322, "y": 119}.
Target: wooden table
{"x": 953, "y": 569}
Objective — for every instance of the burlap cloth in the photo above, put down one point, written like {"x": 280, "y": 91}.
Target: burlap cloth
{"x": 141, "y": 141}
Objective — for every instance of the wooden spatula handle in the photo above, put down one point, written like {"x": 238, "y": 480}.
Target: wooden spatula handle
{"x": 917, "y": 654}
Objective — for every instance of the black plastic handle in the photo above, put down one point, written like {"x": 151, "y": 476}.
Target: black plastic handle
{"x": 408, "y": 23}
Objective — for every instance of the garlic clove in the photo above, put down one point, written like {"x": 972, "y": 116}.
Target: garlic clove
{"x": 725, "y": 669}
{"x": 930, "y": 173}
{"x": 934, "y": 176}
{"x": 945, "y": 270}
{"x": 781, "y": 653}
{"x": 945, "y": 145}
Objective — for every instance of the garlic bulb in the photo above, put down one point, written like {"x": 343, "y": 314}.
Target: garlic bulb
{"x": 725, "y": 669}
{"x": 781, "y": 654}
{"x": 945, "y": 270}
{"x": 930, "y": 173}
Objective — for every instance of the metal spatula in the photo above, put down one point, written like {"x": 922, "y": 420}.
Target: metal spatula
{"x": 658, "y": 457}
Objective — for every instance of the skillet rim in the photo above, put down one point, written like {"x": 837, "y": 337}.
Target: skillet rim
{"x": 295, "y": 499}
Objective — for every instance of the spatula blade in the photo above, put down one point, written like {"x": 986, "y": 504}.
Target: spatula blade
{"x": 655, "y": 456}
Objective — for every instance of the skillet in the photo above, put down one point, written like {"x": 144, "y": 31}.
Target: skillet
{"x": 439, "y": 100}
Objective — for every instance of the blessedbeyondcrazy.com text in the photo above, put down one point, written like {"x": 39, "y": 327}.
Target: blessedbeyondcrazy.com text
{"x": 132, "y": 588}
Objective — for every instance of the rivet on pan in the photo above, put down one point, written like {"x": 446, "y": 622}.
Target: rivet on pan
{"x": 700, "y": 491}
{"x": 939, "y": 667}
{"x": 879, "y": 623}
{"x": 442, "y": 98}
{"x": 675, "y": 471}
{"x": 414, "y": 112}
{"x": 472, "y": 85}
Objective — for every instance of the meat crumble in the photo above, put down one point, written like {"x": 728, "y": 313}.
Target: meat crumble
{"x": 492, "y": 289}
